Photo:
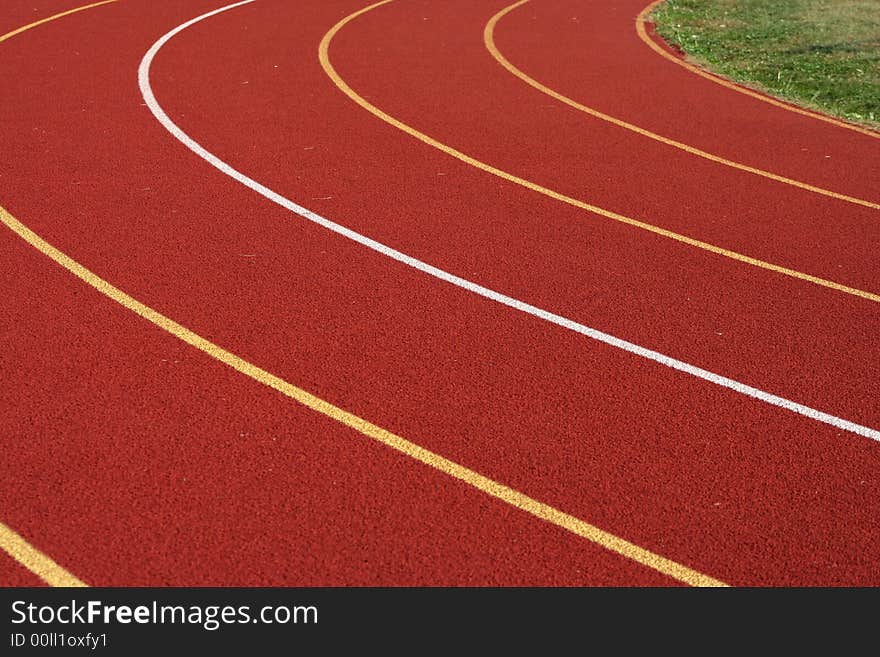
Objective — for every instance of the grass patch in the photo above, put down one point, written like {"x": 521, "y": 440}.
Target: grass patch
{"x": 823, "y": 54}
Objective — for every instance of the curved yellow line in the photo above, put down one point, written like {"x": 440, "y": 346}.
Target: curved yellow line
{"x": 53, "y": 17}
{"x": 35, "y": 561}
{"x": 489, "y": 41}
{"x": 490, "y": 487}
{"x": 642, "y": 18}
{"x": 324, "y": 58}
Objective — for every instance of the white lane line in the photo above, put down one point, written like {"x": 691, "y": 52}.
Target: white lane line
{"x": 564, "y": 322}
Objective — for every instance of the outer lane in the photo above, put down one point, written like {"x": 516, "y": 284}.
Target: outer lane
{"x": 587, "y": 50}
{"x": 499, "y": 120}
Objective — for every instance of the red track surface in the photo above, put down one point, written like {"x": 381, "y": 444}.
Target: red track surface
{"x": 131, "y": 458}
{"x": 14, "y": 574}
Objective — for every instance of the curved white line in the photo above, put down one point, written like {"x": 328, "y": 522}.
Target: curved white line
{"x": 564, "y": 322}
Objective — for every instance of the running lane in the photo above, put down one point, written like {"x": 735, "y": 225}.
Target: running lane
{"x": 591, "y": 52}
{"x": 653, "y": 455}
{"x": 133, "y": 459}
{"x": 137, "y": 460}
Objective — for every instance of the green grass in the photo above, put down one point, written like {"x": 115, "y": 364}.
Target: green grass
{"x": 821, "y": 54}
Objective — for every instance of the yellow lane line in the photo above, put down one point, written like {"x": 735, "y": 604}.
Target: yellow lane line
{"x": 62, "y": 14}
{"x": 34, "y": 560}
{"x": 489, "y": 41}
{"x": 324, "y": 58}
{"x": 490, "y": 487}
{"x": 642, "y": 18}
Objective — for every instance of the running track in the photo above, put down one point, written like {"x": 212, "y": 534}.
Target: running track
{"x": 526, "y": 352}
